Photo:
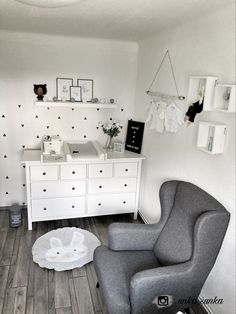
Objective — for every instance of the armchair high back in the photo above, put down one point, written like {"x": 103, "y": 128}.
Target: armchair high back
{"x": 153, "y": 268}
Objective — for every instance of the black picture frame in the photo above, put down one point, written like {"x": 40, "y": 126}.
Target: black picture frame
{"x": 87, "y": 95}
{"x": 63, "y": 95}
{"x": 134, "y": 136}
{"x": 72, "y": 95}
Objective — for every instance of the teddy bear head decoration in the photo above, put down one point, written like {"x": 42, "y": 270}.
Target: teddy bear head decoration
{"x": 40, "y": 90}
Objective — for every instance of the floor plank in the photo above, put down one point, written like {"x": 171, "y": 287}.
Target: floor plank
{"x": 20, "y": 300}
{"x": 4, "y": 270}
{"x": 64, "y": 310}
{"x": 95, "y": 292}
{"x": 7, "y": 251}
{"x": 82, "y": 295}
{"x": 62, "y": 291}
{"x": 51, "y": 292}
{"x": 40, "y": 280}
{"x": 74, "y": 307}
{"x": 22, "y": 265}
{"x": 9, "y": 301}
{"x": 29, "y": 305}
{"x": 78, "y": 272}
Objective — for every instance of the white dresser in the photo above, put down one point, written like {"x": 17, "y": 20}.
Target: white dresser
{"x": 59, "y": 190}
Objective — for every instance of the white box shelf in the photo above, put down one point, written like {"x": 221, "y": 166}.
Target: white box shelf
{"x": 68, "y": 104}
{"x": 224, "y": 99}
{"x": 211, "y": 137}
{"x": 206, "y": 84}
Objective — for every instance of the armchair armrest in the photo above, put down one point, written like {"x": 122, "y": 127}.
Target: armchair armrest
{"x": 176, "y": 281}
{"x": 131, "y": 237}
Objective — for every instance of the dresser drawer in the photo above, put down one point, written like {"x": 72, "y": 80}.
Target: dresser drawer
{"x": 73, "y": 172}
{"x": 111, "y": 204}
{"x": 100, "y": 171}
{"x": 114, "y": 185}
{"x": 57, "y": 189}
{"x": 126, "y": 169}
{"x": 58, "y": 208}
{"x": 43, "y": 173}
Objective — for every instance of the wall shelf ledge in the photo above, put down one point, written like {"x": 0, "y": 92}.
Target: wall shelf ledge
{"x": 69, "y": 104}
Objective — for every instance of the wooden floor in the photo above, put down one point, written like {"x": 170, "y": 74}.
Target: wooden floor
{"x": 27, "y": 288}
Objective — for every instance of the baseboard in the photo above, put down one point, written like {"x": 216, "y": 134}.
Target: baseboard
{"x": 8, "y": 207}
{"x": 206, "y": 307}
{"x": 144, "y": 219}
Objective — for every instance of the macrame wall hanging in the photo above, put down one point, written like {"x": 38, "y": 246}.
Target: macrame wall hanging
{"x": 155, "y": 94}
{"x": 163, "y": 112}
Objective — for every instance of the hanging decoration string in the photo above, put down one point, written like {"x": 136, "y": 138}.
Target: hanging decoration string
{"x": 150, "y": 92}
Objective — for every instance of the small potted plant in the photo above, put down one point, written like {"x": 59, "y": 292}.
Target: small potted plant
{"x": 112, "y": 129}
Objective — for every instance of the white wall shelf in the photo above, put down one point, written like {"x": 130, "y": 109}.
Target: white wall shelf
{"x": 224, "y": 99}
{"x": 211, "y": 137}
{"x": 69, "y": 104}
{"x": 205, "y": 84}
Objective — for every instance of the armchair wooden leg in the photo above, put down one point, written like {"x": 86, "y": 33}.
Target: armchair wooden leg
{"x": 97, "y": 285}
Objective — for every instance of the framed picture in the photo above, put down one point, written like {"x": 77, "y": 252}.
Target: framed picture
{"x": 118, "y": 147}
{"x": 75, "y": 93}
{"x": 86, "y": 89}
{"x": 134, "y": 136}
{"x": 63, "y": 88}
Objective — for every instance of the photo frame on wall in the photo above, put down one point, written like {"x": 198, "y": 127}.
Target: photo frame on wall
{"x": 75, "y": 94}
{"x": 63, "y": 88}
{"x": 86, "y": 89}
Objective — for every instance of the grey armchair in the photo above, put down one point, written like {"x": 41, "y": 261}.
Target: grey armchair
{"x": 144, "y": 263}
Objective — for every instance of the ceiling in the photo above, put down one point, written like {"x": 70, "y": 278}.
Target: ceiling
{"x": 114, "y": 19}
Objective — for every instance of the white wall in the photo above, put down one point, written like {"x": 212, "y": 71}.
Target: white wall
{"x": 31, "y": 59}
{"x": 202, "y": 47}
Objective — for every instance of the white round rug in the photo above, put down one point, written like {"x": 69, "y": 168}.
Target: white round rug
{"x": 65, "y": 248}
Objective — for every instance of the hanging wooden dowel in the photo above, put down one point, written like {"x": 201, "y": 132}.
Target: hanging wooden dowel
{"x": 161, "y": 95}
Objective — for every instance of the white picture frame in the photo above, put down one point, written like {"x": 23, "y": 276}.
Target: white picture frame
{"x": 118, "y": 147}
{"x": 86, "y": 89}
{"x": 75, "y": 93}
{"x": 63, "y": 88}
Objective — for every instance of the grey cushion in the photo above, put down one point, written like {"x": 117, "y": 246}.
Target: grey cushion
{"x": 132, "y": 237}
{"x": 115, "y": 270}
{"x": 175, "y": 243}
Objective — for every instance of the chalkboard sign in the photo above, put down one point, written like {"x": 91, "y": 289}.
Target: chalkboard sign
{"x": 134, "y": 136}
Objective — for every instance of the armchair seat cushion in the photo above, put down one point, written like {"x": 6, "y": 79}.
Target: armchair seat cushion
{"x": 115, "y": 270}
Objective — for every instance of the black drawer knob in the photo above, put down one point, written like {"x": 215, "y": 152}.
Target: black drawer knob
{"x": 125, "y": 184}
{"x": 73, "y": 172}
{"x": 126, "y": 169}
{"x": 73, "y": 206}
{"x": 100, "y": 186}
{"x": 100, "y": 171}
{"x": 44, "y": 173}
{"x": 99, "y": 204}
{"x": 45, "y": 208}
{"x": 73, "y": 188}
{"x": 124, "y": 202}
{"x": 44, "y": 190}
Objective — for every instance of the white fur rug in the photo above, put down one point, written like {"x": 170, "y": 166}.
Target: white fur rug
{"x": 65, "y": 248}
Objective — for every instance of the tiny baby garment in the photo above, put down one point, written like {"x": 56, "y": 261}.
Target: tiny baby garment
{"x": 173, "y": 118}
{"x": 156, "y": 110}
{"x": 195, "y": 108}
